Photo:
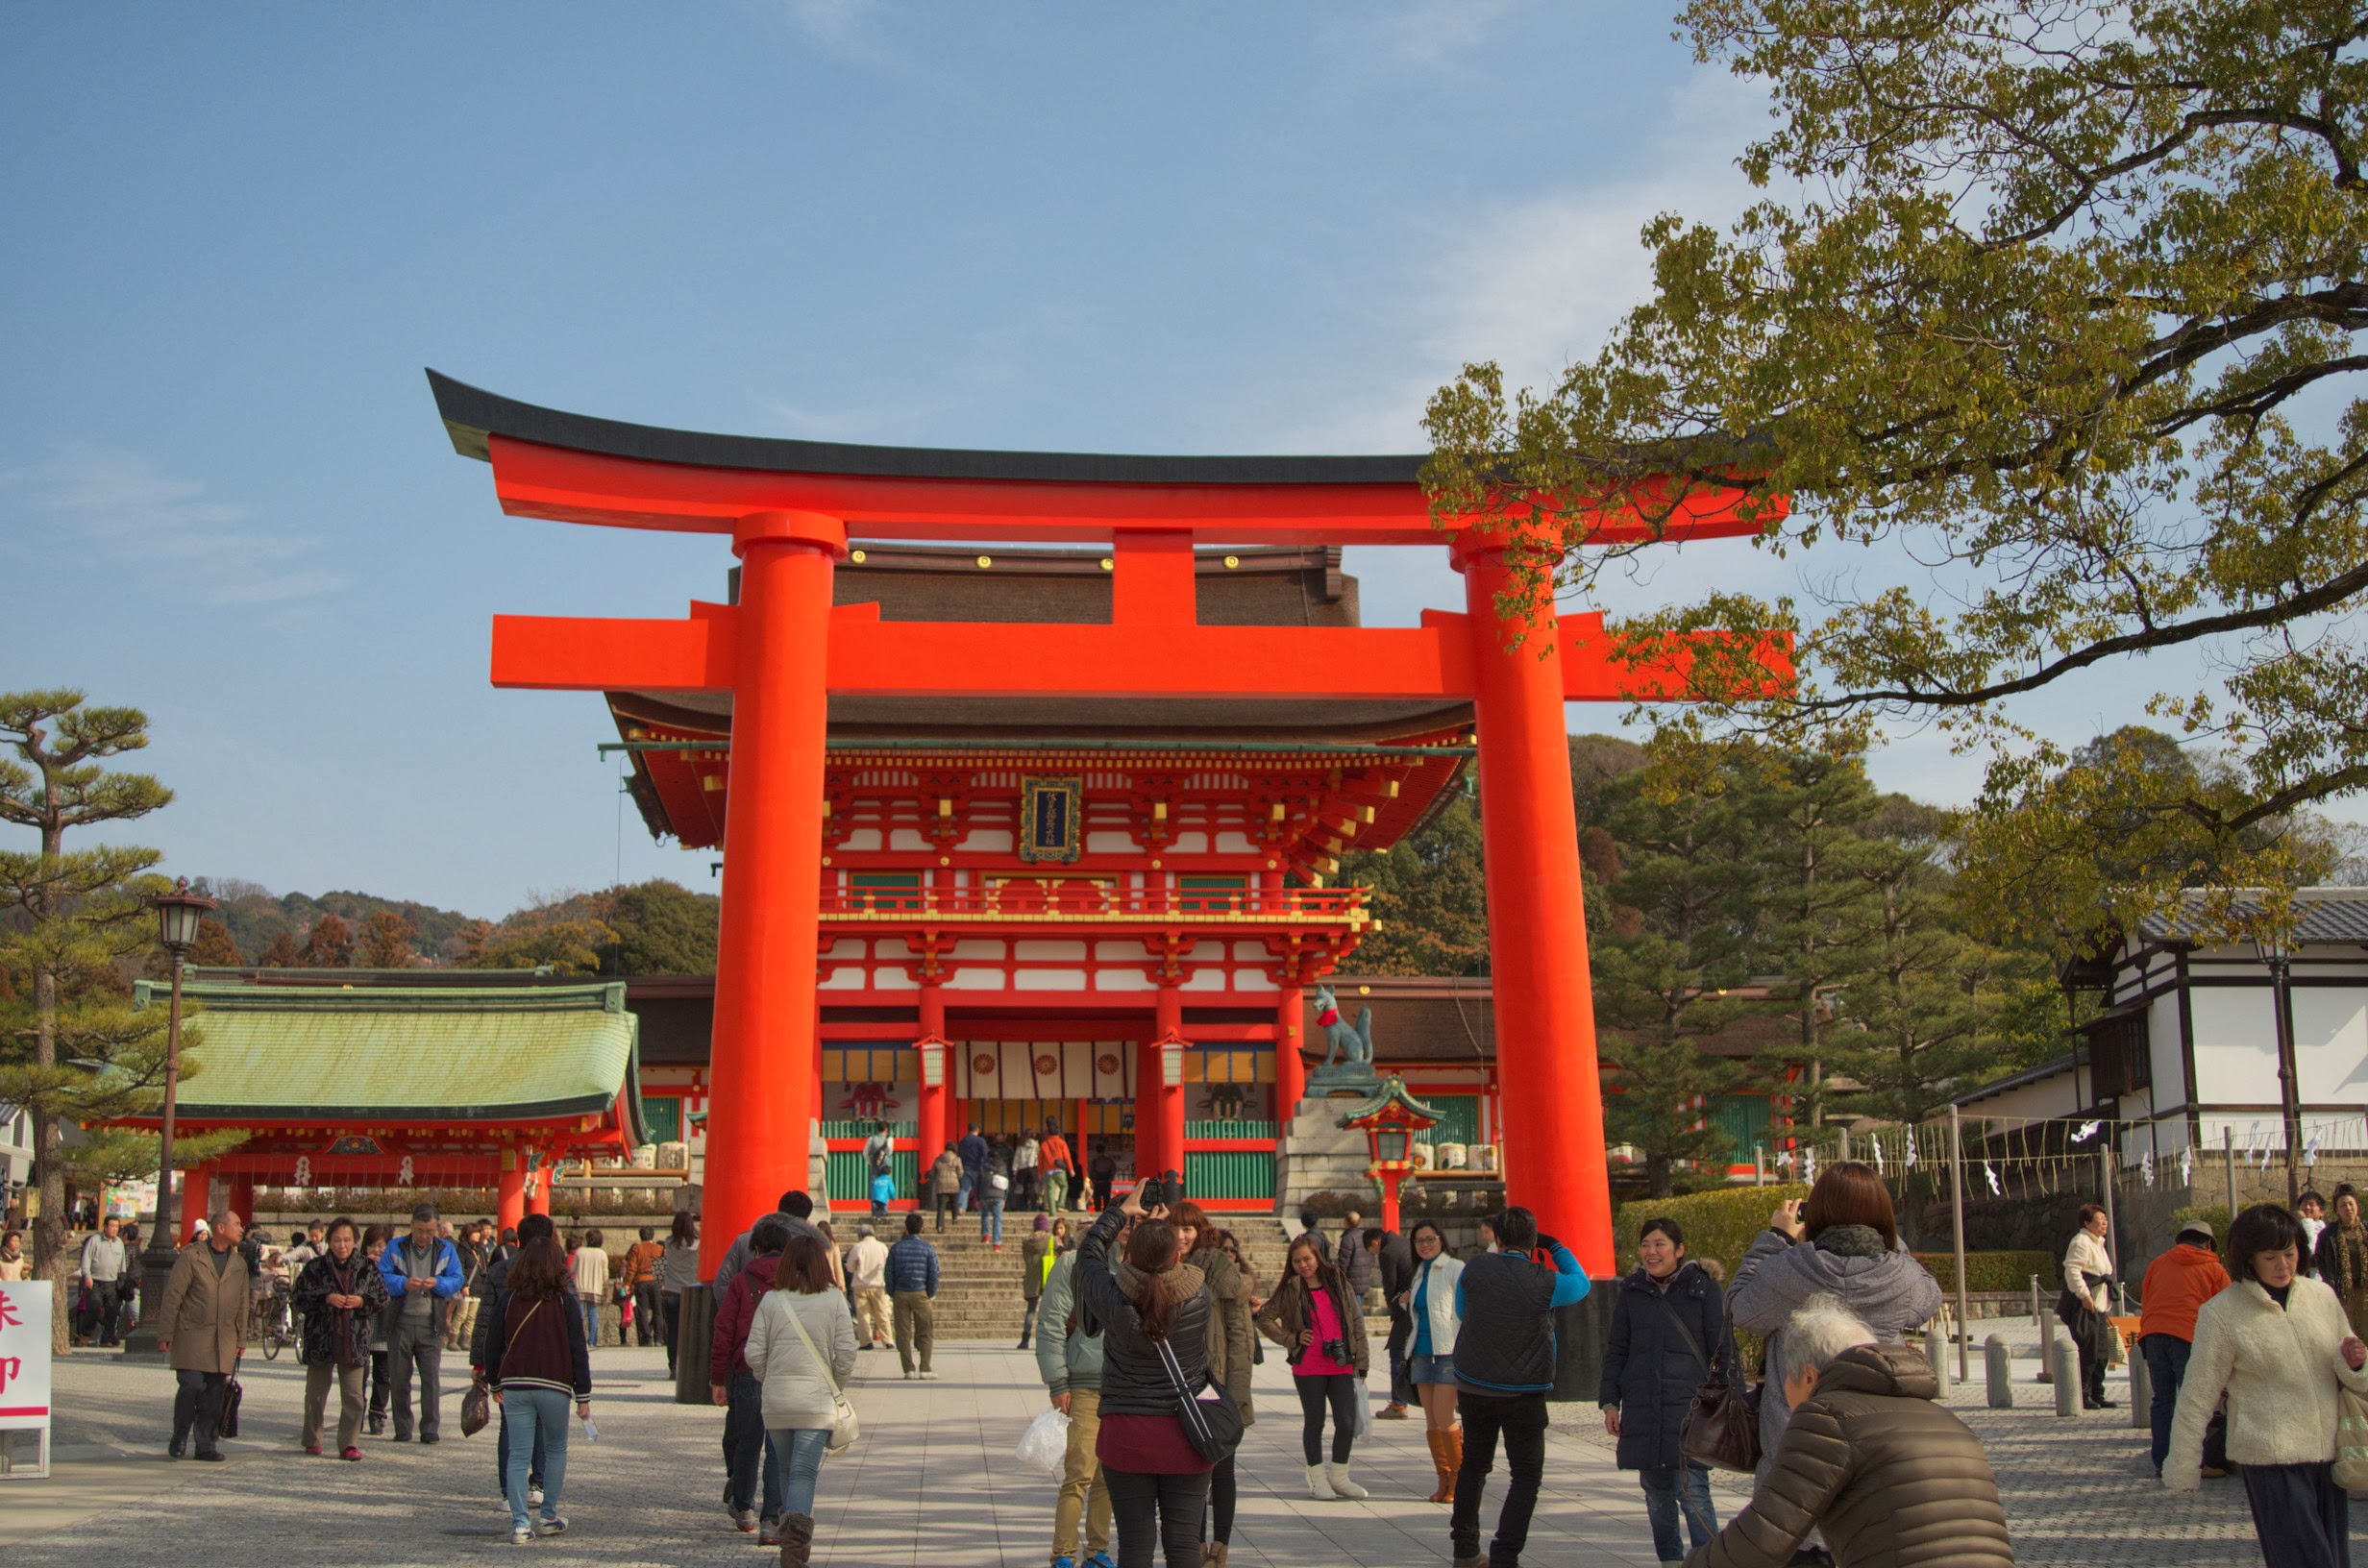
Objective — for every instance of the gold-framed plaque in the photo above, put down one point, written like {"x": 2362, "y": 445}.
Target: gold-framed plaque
{"x": 1052, "y": 818}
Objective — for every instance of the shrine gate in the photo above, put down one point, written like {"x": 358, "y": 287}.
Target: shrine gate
{"x": 783, "y": 649}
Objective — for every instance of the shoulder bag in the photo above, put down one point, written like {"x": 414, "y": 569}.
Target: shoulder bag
{"x": 1721, "y": 1427}
{"x": 844, "y": 1427}
{"x": 1212, "y": 1426}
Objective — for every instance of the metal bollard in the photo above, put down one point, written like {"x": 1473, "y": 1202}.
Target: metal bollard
{"x": 1998, "y": 1363}
{"x": 2064, "y": 1360}
{"x": 2141, "y": 1391}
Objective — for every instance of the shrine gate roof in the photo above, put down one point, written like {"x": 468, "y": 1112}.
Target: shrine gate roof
{"x": 492, "y": 1053}
{"x": 473, "y": 417}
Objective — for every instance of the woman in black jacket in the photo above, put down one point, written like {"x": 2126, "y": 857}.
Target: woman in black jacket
{"x": 339, "y": 1295}
{"x": 1158, "y": 1482}
{"x": 1667, "y": 1323}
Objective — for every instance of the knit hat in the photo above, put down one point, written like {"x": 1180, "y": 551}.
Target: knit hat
{"x": 1043, "y": 1222}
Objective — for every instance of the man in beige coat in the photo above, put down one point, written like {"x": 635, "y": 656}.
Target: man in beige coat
{"x": 202, "y": 1326}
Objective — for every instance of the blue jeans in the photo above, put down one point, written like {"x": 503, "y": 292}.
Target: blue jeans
{"x": 962, "y": 1194}
{"x": 501, "y": 1453}
{"x": 798, "y": 1450}
{"x": 746, "y": 1454}
{"x": 591, "y": 1319}
{"x": 542, "y": 1414}
{"x": 1669, "y": 1488}
{"x": 2166, "y": 1367}
{"x": 991, "y": 1219}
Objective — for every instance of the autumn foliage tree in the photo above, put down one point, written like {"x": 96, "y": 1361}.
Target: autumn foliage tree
{"x": 386, "y": 940}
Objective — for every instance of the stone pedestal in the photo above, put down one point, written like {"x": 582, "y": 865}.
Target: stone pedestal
{"x": 1320, "y": 1155}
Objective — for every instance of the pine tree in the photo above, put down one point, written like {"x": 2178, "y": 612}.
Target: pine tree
{"x": 73, "y": 1050}
{"x": 1679, "y": 942}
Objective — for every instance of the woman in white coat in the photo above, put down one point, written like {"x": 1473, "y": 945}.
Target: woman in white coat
{"x": 1430, "y": 1349}
{"x": 2086, "y": 1304}
{"x": 798, "y": 1379}
{"x": 2278, "y": 1344}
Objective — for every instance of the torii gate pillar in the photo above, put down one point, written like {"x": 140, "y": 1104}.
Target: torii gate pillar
{"x": 1546, "y": 1018}
{"x": 760, "y": 1122}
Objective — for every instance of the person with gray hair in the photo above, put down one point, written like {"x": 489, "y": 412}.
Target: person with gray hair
{"x": 1889, "y": 1478}
{"x": 202, "y": 1326}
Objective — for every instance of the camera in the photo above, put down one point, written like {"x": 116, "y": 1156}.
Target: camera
{"x": 1337, "y": 1351}
{"x": 1162, "y": 1190}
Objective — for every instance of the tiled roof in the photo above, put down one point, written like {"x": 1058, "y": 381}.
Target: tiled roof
{"x": 381, "y": 1053}
{"x": 2329, "y": 915}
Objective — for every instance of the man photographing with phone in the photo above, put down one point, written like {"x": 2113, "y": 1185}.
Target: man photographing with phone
{"x": 1504, "y": 1368}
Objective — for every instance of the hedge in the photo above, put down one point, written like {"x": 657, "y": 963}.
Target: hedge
{"x": 1995, "y": 1271}
{"x": 1718, "y": 1224}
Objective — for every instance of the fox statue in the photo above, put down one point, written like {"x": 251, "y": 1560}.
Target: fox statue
{"x": 1338, "y": 1037}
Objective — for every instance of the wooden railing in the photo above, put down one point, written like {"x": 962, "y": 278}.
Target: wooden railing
{"x": 1086, "y": 901}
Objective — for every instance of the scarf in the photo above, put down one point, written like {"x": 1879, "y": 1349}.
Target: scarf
{"x": 1850, "y": 1241}
{"x": 2351, "y": 1259}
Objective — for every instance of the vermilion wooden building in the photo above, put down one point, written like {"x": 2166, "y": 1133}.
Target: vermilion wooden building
{"x": 1053, "y": 872}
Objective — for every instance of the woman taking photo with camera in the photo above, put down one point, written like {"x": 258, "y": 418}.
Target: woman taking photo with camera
{"x": 1158, "y": 1482}
{"x": 1321, "y": 1331}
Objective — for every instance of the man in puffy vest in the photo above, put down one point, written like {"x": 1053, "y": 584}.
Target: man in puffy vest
{"x": 1505, "y": 1355}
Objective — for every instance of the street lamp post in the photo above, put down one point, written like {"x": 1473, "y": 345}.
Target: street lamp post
{"x": 2274, "y": 952}
{"x": 177, "y": 914}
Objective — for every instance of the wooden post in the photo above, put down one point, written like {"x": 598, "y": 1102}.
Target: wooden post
{"x": 1957, "y": 1208}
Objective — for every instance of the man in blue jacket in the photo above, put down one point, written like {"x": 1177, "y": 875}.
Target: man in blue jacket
{"x": 912, "y": 1286}
{"x": 422, "y": 1271}
{"x": 972, "y": 1150}
{"x": 1504, "y": 1367}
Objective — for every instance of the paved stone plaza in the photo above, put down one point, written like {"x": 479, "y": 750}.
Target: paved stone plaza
{"x": 933, "y": 1482}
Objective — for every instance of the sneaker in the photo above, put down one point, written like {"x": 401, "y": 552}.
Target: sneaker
{"x": 931, "y": 1377}
{"x": 524, "y": 1536}
{"x": 1394, "y": 1413}
{"x": 1063, "y": 1562}
{"x": 769, "y": 1533}
{"x": 909, "y": 1377}
{"x": 551, "y": 1527}
{"x": 349, "y": 1453}
{"x": 744, "y": 1520}
{"x": 535, "y": 1497}
{"x": 430, "y": 1437}
{"x": 1100, "y": 1559}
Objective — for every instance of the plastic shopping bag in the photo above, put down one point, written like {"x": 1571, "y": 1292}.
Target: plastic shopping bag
{"x": 1364, "y": 1411}
{"x": 1044, "y": 1445}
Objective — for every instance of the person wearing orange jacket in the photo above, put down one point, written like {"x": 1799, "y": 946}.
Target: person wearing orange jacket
{"x": 2177, "y": 1286}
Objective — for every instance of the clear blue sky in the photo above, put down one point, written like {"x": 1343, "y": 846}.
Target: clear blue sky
{"x": 236, "y": 232}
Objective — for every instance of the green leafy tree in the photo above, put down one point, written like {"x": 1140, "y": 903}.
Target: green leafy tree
{"x": 2059, "y": 299}
{"x": 661, "y": 929}
{"x": 563, "y": 946}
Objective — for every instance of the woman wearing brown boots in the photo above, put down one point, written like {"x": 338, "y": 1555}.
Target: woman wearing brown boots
{"x": 1430, "y": 1349}
{"x": 1231, "y": 1348}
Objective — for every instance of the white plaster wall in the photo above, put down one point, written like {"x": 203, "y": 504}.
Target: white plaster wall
{"x": 849, "y": 977}
{"x": 1253, "y": 980}
{"x": 2162, "y": 1047}
{"x": 976, "y": 980}
{"x": 863, "y": 838}
{"x": 979, "y": 948}
{"x": 2050, "y": 1096}
{"x": 1049, "y": 979}
{"x": 2330, "y": 1042}
{"x": 1049, "y": 952}
{"x": 985, "y": 841}
{"x": 1121, "y": 980}
{"x": 1205, "y": 980}
{"x": 2235, "y": 1045}
{"x": 1191, "y": 844}
{"x": 1103, "y": 842}
{"x": 1235, "y": 843}
{"x": 1120, "y": 952}
{"x": 893, "y": 977}
{"x": 906, "y": 838}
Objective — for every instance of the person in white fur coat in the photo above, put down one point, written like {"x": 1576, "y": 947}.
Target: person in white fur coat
{"x": 2278, "y": 1344}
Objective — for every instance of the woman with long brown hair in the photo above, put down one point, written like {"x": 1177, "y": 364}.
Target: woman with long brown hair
{"x": 536, "y": 1357}
{"x": 1231, "y": 1343}
{"x": 1152, "y": 1301}
{"x": 1322, "y": 1330}
{"x": 802, "y": 1348}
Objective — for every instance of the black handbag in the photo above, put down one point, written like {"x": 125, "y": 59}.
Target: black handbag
{"x": 1721, "y": 1427}
{"x": 231, "y": 1394}
{"x": 1212, "y": 1426}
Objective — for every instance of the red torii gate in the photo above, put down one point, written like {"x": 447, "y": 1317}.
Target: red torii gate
{"x": 787, "y": 506}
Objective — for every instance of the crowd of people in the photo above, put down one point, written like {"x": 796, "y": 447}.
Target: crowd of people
{"x": 1146, "y": 1322}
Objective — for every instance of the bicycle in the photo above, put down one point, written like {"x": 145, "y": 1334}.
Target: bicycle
{"x": 275, "y": 1324}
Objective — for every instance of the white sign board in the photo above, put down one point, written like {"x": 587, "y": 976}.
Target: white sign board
{"x": 25, "y": 1307}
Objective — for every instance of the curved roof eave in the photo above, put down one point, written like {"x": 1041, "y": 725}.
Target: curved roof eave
{"x": 472, "y": 416}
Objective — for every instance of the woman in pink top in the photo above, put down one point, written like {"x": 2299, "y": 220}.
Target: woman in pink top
{"x": 1321, "y": 1331}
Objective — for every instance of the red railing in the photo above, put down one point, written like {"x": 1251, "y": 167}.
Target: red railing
{"x": 1019, "y": 900}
